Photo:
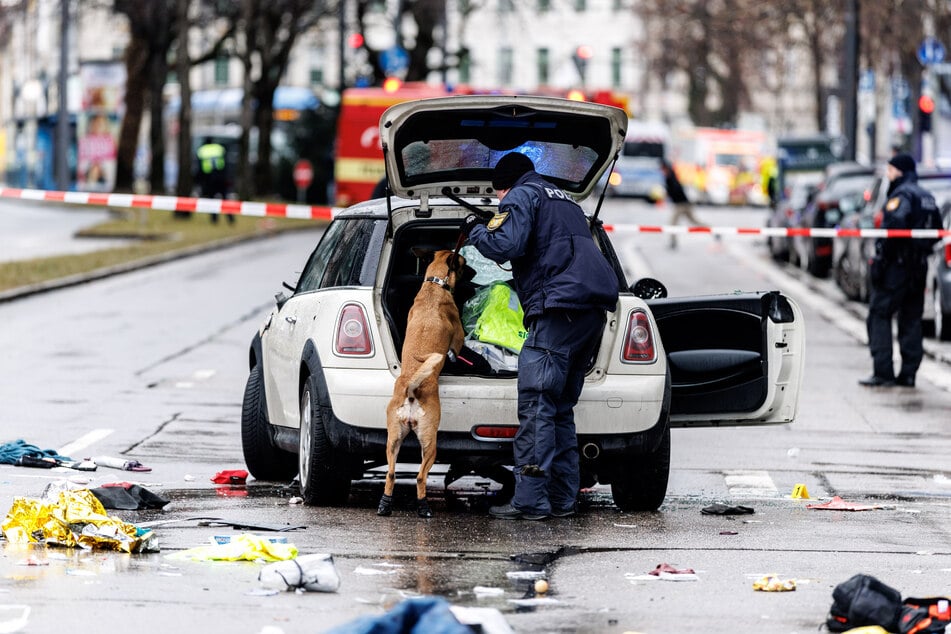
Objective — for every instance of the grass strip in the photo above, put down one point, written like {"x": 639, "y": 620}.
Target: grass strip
{"x": 156, "y": 233}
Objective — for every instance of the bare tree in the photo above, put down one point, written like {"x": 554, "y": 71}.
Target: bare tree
{"x": 267, "y": 34}
{"x": 416, "y": 23}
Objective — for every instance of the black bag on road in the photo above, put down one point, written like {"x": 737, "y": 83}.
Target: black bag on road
{"x": 864, "y": 600}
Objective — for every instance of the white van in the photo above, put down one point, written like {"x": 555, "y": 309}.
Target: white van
{"x": 637, "y": 172}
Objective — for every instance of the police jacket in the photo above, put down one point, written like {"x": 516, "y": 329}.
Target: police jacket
{"x": 904, "y": 210}
{"x": 555, "y": 261}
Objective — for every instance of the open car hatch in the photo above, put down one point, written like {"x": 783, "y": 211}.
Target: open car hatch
{"x": 454, "y": 142}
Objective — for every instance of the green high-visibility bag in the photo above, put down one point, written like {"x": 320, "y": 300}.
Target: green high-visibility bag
{"x": 494, "y": 315}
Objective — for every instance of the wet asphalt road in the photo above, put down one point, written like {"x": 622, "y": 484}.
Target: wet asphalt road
{"x": 151, "y": 365}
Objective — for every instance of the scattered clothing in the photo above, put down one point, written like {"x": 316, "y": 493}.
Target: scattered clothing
{"x": 11, "y": 451}
{"x": 838, "y": 504}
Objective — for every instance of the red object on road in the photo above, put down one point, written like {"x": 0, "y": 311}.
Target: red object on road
{"x": 838, "y": 504}
{"x": 231, "y": 476}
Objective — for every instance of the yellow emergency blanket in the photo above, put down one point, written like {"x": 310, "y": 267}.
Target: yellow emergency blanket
{"x": 244, "y": 547}
{"x": 77, "y": 518}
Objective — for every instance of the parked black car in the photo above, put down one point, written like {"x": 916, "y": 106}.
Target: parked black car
{"x": 842, "y": 181}
{"x": 937, "y": 310}
{"x": 786, "y": 215}
{"x": 851, "y": 255}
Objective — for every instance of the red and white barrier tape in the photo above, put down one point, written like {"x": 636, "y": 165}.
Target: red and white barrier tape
{"x": 830, "y": 232}
{"x": 176, "y": 203}
{"x": 315, "y": 212}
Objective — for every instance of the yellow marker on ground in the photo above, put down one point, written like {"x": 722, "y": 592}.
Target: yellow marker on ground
{"x": 800, "y": 492}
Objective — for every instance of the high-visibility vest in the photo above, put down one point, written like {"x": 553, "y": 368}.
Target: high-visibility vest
{"x": 211, "y": 157}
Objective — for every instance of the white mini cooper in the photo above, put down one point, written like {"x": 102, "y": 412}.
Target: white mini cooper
{"x": 323, "y": 363}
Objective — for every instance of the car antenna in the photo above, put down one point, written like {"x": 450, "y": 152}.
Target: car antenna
{"x": 607, "y": 181}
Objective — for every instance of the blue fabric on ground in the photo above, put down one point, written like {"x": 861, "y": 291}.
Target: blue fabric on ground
{"x": 425, "y": 615}
{"x": 10, "y": 451}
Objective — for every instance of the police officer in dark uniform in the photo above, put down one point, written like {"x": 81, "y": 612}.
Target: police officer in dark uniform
{"x": 565, "y": 285}
{"x": 898, "y": 279}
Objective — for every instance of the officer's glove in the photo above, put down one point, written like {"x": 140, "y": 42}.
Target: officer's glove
{"x": 471, "y": 221}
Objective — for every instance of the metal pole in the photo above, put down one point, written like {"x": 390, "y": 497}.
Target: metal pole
{"x": 851, "y": 77}
{"x": 342, "y": 44}
{"x": 62, "y": 117}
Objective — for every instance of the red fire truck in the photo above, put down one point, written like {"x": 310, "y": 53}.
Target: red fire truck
{"x": 359, "y": 157}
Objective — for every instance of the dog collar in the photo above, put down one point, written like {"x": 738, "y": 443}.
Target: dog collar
{"x": 438, "y": 281}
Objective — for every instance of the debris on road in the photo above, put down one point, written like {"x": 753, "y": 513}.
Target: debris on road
{"x": 78, "y": 518}
{"x": 773, "y": 583}
{"x": 244, "y": 547}
{"x": 313, "y": 573}
{"x": 230, "y": 476}
{"x": 121, "y": 463}
{"x": 838, "y": 504}
{"x": 726, "y": 509}
{"x": 672, "y": 573}
{"x": 127, "y": 496}
{"x": 10, "y": 452}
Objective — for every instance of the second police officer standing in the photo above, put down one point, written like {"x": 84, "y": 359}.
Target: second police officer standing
{"x": 897, "y": 278}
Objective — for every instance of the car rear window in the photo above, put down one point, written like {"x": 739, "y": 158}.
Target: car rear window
{"x": 568, "y": 162}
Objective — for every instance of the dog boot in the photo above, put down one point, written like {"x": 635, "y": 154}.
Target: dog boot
{"x": 422, "y": 508}
{"x": 386, "y": 506}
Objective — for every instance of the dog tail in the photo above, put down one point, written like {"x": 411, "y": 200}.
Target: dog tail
{"x": 424, "y": 372}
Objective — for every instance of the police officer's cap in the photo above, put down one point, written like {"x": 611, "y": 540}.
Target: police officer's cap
{"x": 509, "y": 169}
{"x": 904, "y": 163}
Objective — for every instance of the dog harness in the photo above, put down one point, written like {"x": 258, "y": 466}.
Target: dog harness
{"x": 440, "y": 281}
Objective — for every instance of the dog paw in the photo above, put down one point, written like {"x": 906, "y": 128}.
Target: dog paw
{"x": 385, "y": 508}
{"x": 423, "y": 510}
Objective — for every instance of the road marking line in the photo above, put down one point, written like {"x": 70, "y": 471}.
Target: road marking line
{"x": 84, "y": 441}
{"x": 742, "y": 483}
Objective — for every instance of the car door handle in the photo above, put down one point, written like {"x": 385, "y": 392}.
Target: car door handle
{"x": 290, "y": 319}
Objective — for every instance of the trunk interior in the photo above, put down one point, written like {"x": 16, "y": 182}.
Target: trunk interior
{"x": 407, "y": 271}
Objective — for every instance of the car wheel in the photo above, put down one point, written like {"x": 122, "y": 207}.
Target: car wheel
{"x": 639, "y": 483}
{"x": 263, "y": 459}
{"x": 942, "y": 320}
{"x": 324, "y": 473}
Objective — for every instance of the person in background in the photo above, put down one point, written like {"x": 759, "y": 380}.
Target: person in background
{"x": 897, "y": 279}
{"x": 565, "y": 285}
{"x": 212, "y": 175}
{"x": 675, "y": 194}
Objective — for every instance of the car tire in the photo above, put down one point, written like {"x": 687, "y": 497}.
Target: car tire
{"x": 942, "y": 320}
{"x": 263, "y": 459}
{"x": 639, "y": 483}
{"x": 324, "y": 473}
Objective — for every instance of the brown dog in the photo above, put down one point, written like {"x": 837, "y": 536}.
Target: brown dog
{"x": 433, "y": 328}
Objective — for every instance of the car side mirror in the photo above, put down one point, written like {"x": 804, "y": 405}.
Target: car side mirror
{"x": 649, "y": 288}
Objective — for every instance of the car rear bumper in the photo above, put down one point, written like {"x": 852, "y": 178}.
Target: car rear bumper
{"x": 609, "y": 418}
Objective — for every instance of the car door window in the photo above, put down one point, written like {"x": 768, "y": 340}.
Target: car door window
{"x": 342, "y": 256}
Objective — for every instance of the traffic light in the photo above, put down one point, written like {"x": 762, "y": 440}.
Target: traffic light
{"x": 581, "y": 56}
{"x": 925, "y": 109}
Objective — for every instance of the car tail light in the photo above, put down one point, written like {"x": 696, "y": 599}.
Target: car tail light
{"x": 353, "y": 334}
{"x": 495, "y": 432}
{"x": 638, "y": 339}
{"x": 947, "y": 252}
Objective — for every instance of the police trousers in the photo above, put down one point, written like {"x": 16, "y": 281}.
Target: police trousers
{"x": 551, "y": 369}
{"x": 899, "y": 291}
